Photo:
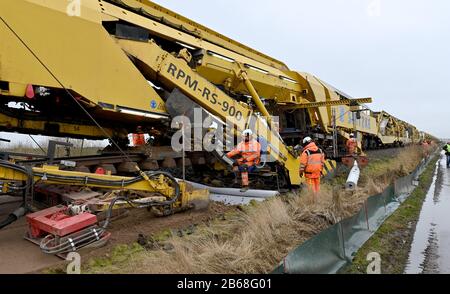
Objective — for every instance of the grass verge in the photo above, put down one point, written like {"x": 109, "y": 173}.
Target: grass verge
{"x": 256, "y": 238}
{"x": 393, "y": 239}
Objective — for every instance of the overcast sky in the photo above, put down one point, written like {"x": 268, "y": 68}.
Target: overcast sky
{"x": 396, "y": 51}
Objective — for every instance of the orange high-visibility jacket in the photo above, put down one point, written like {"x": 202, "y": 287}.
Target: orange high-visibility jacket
{"x": 312, "y": 161}
{"x": 352, "y": 145}
{"x": 250, "y": 152}
{"x": 138, "y": 139}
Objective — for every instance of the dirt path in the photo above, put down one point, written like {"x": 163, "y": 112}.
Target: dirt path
{"x": 127, "y": 230}
{"x": 18, "y": 255}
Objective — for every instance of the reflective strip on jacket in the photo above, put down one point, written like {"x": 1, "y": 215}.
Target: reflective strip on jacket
{"x": 312, "y": 161}
{"x": 447, "y": 149}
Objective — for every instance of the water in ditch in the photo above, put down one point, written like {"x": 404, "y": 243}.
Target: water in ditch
{"x": 430, "y": 251}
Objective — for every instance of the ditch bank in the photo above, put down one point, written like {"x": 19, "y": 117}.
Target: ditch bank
{"x": 393, "y": 239}
{"x": 335, "y": 248}
{"x": 255, "y": 237}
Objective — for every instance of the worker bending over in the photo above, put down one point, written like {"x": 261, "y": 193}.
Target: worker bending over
{"x": 447, "y": 152}
{"x": 311, "y": 164}
{"x": 352, "y": 145}
{"x": 248, "y": 155}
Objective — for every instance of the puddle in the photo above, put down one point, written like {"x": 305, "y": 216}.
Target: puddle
{"x": 429, "y": 252}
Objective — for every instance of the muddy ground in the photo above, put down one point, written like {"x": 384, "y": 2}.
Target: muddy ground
{"x": 18, "y": 255}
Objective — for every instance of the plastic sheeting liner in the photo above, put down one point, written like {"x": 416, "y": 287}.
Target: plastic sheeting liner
{"x": 335, "y": 247}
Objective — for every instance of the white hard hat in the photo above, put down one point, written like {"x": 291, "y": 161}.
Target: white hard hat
{"x": 214, "y": 126}
{"x": 307, "y": 140}
{"x": 247, "y": 132}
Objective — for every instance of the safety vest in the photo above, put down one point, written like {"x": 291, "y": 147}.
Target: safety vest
{"x": 315, "y": 161}
{"x": 138, "y": 139}
{"x": 250, "y": 151}
{"x": 312, "y": 161}
{"x": 447, "y": 148}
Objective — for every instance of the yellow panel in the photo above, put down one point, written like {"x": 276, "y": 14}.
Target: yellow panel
{"x": 99, "y": 69}
{"x": 345, "y": 119}
{"x": 316, "y": 94}
{"x": 269, "y": 86}
{"x": 175, "y": 73}
{"x": 10, "y": 124}
{"x": 174, "y": 35}
{"x": 203, "y": 32}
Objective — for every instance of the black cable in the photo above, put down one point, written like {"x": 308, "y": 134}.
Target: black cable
{"x": 43, "y": 151}
{"x": 9, "y": 220}
{"x": 92, "y": 235}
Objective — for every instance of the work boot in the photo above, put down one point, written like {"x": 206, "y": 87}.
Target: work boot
{"x": 244, "y": 189}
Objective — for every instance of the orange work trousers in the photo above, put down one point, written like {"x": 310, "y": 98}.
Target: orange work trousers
{"x": 313, "y": 184}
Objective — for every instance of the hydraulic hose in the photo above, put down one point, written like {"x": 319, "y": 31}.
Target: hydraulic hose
{"x": 9, "y": 220}
{"x": 18, "y": 213}
{"x": 21, "y": 211}
{"x": 92, "y": 235}
{"x": 114, "y": 183}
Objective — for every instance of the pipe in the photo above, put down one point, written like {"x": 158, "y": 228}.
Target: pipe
{"x": 234, "y": 200}
{"x": 18, "y": 213}
{"x": 353, "y": 177}
{"x": 236, "y": 192}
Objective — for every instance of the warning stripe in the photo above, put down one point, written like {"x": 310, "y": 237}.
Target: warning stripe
{"x": 329, "y": 166}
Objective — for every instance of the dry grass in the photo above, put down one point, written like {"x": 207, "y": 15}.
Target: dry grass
{"x": 89, "y": 148}
{"x": 256, "y": 239}
{"x": 404, "y": 162}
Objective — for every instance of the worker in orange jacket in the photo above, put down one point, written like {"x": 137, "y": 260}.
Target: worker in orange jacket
{"x": 352, "y": 145}
{"x": 249, "y": 152}
{"x": 139, "y": 137}
{"x": 312, "y": 160}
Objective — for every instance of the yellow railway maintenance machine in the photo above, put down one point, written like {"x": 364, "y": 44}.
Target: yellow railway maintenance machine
{"x": 120, "y": 61}
{"x": 121, "y": 64}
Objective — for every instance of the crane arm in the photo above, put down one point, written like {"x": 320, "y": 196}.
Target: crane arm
{"x": 175, "y": 73}
{"x": 348, "y": 102}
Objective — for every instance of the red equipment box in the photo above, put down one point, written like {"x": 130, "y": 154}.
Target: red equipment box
{"x": 56, "y": 221}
